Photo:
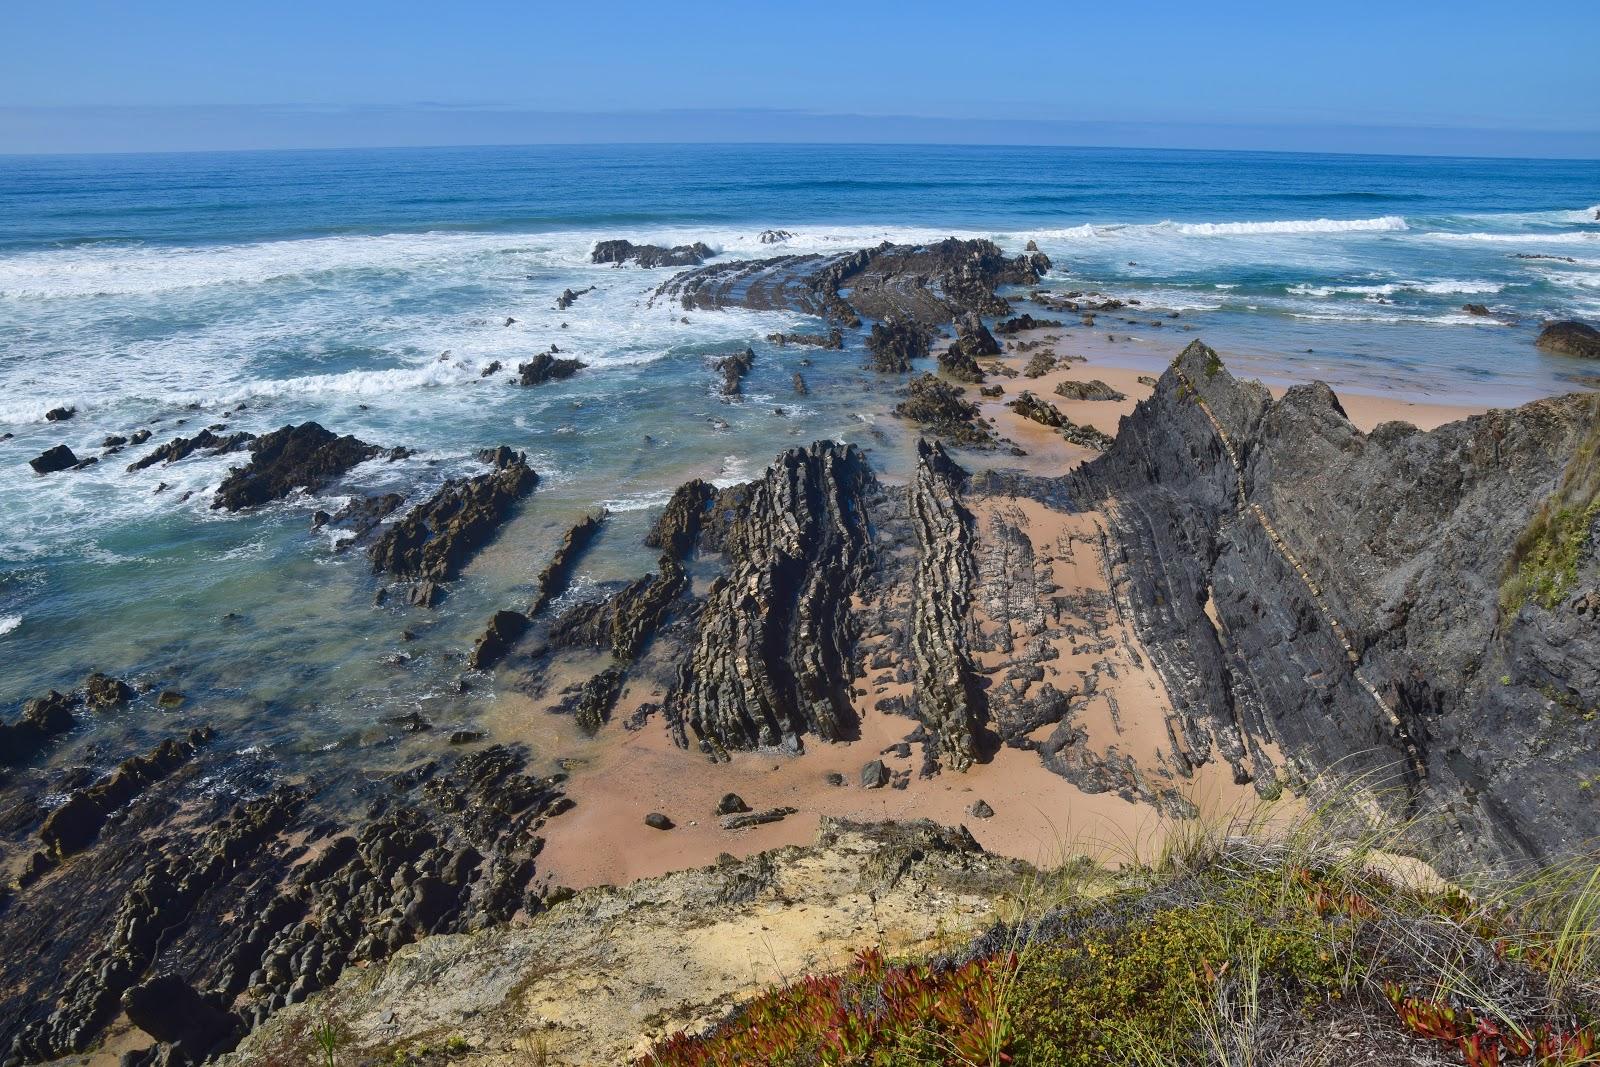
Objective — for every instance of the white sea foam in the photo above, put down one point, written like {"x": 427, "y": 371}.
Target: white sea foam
{"x": 1568, "y": 237}
{"x": 9, "y": 623}
{"x": 1442, "y": 287}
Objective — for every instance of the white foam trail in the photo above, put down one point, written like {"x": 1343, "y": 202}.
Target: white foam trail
{"x": 9, "y": 623}
{"x": 1443, "y": 287}
{"x": 1570, "y": 237}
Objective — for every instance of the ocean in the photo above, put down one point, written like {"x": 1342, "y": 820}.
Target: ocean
{"x": 369, "y": 290}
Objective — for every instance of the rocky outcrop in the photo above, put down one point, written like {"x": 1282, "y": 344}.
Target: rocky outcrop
{"x": 1390, "y": 604}
{"x": 553, "y": 580}
{"x": 53, "y": 460}
{"x": 926, "y": 284}
{"x": 625, "y": 621}
{"x": 1036, "y": 410}
{"x": 1569, "y": 338}
{"x": 503, "y": 628}
{"x": 183, "y": 447}
{"x": 437, "y": 537}
{"x": 733, "y": 368}
{"x": 545, "y": 367}
{"x": 305, "y": 457}
{"x": 619, "y": 252}
{"x": 772, "y": 653}
{"x": 569, "y": 297}
{"x": 1094, "y": 389}
{"x": 677, "y": 528}
{"x": 948, "y": 698}
{"x": 893, "y": 345}
{"x": 102, "y": 692}
{"x": 71, "y": 827}
{"x": 773, "y": 237}
{"x": 1023, "y": 322}
{"x": 941, "y": 408}
{"x": 42, "y": 718}
{"x": 1039, "y": 365}
{"x": 833, "y": 339}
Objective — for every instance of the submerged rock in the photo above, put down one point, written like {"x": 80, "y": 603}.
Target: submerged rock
{"x": 553, "y": 580}
{"x": 545, "y": 367}
{"x": 504, "y": 628}
{"x": 733, "y": 369}
{"x": 183, "y": 447}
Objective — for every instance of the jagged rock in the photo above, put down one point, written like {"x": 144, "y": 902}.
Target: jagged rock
{"x": 1031, "y": 246}
{"x": 596, "y": 698}
{"x": 772, "y": 237}
{"x": 960, "y": 360}
{"x": 360, "y": 516}
{"x": 547, "y": 368}
{"x": 619, "y": 252}
{"x": 677, "y": 528}
{"x": 980, "y": 810}
{"x": 497, "y": 638}
{"x": 305, "y": 457}
{"x": 1475, "y": 309}
{"x": 1085, "y": 436}
{"x": 1022, "y": 322}
{"x": 625, "y": 622}
{"x": 941, "y": 408}
{"x": 657, "y": 821}
{"x": 874, "y": 775}
{"x": 71, "y": 827}
{"x": 42, "y": 718}
{"x": 733, "y": 369}
{"x": 553, "y": 580}
{"x": 731, "y": 804}
{"x": 466, "y": 737}
{"x": 833, "y": 339}
{"x": 1041, "y": 411}
{"x": 1570, "y": 338}
{"x": 437, "y": 537}
{"x": 60, "y": 414}
{"x": 770, "y": 658}
{"x": 800, "y": 385}
{"x": 568, "y": 297}
{"x": 1094, "y": 389}
{"x": 992, "y": 391}
{"x": 52, "y": 460}
{"x": 895, "y": 344}
{"x": 949, "y": 701}
{"x": 85, "y": 464}
{"x": 102, "y": 691}
{"x": 1039, "y": 365}
{"x": 492, "y": 369}
{"x": 927, "y": 284}
{"x": 183, "y": 447}
{"x": 955, "y": 364}
{"x": 1373, "y": 595}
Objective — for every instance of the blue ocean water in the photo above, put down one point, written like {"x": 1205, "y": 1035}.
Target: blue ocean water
{"x": 369, "y": 290}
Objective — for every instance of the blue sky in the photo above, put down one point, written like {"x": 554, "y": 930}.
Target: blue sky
{"x": 1459, "y": 78}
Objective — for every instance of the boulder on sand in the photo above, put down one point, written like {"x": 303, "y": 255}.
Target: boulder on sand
{"x": 1570, "y": 338}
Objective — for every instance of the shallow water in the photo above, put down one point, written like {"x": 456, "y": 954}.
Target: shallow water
{"x": 368, "y": 290}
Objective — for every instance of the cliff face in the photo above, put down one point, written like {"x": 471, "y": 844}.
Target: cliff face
{"x": 1417, "y": 608}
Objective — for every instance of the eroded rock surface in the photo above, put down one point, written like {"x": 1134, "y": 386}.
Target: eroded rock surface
{"x": 305, "y": 457}
{"x": 436, "y": 538}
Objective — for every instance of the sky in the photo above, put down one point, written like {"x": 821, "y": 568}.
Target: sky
{"x": 1463, "y": 78}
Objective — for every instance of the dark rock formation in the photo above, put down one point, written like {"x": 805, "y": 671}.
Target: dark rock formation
{"x": 60, "y": 414}
{"x": 624, "y": 622}
{"x": 1022, "y": 322}
{"x": 733, "y": 369}
{"x": 800, "y": 385}
{"x": 657, "y": 821}
{"x": 55, "y": 459}
{"x": 833, "y": 339}
{"x": 437, "y": 537}
{"x": 1085, "y": 436}
{"x": 183, "y": 447}
{"x": 553, "y": 580}
{"x": 103, "y": 692}
{"x": 1094, "y": 389}
{"x": 1569, "y": 338}
{"x": 620, "y": 252}
{"x": 772, "y": 237}
{"x": 927, "y": 284}
{"x": 771, "y": 659}
{"x": 568, "y": 297}
{"x": 305, "y": 457}
{"x": 42, "y": 718}
{"x": 596, "y": 698}
{"x": 169, "y": 1009}
{"x": 941, "y": 408}
{"x": 731, "y": 804}
{"x": 359, "y": 517}
{"x": 1392, "y": 605}
{"x": 545, "y": 367}
{"x": 980, "y": 810}
{"x": 1039, "y": 365}
{"x": 1475, "y": 309}
{"x": 71, "y": 827}
{"x": 503, "y": 629}
{"x": 677, "y": 528}
{"x": 948, "y": 699}
{"x": 1041, "y": 411}
{"x": 895, "y": 344}
{"x": 874, "y": 775}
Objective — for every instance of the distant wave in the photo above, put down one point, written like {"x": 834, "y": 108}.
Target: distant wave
{"x": 1569, "y": 237}
{"x": 1383, "y": 224}
{"x": 1443, "y": 287}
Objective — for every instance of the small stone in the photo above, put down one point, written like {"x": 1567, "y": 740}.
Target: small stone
{"x": 834, "y": 778}
{"x": 170, "y": 698}
{"x": 465, "y": 737}
{"x": 874, "y": 775}
{"x": 980, "y": 810}
{"x": 732, "y": 804}
{"x": 657, "y": 821}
